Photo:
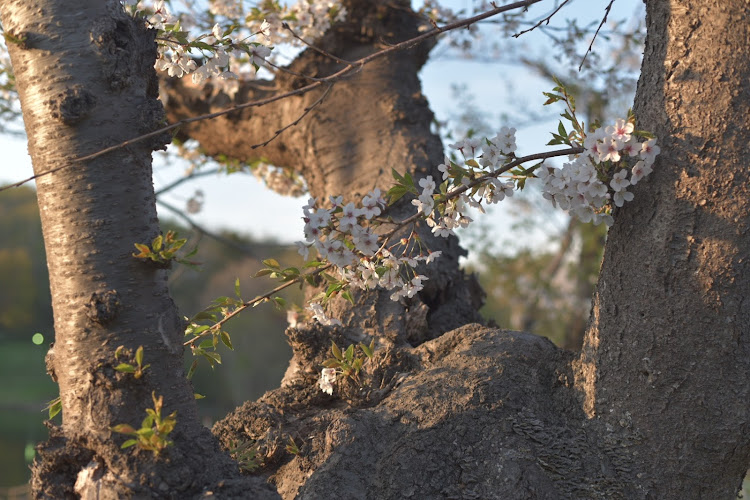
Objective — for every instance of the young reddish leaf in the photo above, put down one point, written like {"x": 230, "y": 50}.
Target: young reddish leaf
{"x": 336, "y": 351}
{"x": 124, "y": 429}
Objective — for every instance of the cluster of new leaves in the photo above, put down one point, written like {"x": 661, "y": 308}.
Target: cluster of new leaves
{"x": 211, "y": 334}
{"x": 246, "y": 454}
{"x": 348, "y": 363}
{"x": 163, "y": 250}
{"x": 154, "y": 431}
{"x": 137, "y": 369}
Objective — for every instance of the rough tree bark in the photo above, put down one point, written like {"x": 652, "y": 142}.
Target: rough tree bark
{"x": 655, "y": 406}
{"x": 86, "y": 80}
{"x": 665, "y": 360}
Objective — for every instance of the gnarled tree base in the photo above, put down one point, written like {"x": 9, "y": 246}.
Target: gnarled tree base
{"x": 475, "y": 413}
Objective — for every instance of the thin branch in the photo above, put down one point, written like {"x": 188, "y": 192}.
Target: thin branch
{"x": 290, "y": 72}
{"x": 313, "y": 47}
{"x": 591, "y": 45}
{"x": 193, "y": 175}
{"x": 295, "y": 122}
{"x": 221, "y": 239}
{"x": 387, "y": 236}
{"x": 252, "y": 303}
{"x": 543, "y": 20}
{"x": 339, "y": 75}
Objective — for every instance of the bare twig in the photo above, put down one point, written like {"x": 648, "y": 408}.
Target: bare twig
{"x": 591, "y": 45}
{"x": 290, "y": 72}
{"x": 186, "y": 178}
{"x": 543, "y": 20}
{"x": 313, "y": 47}
{"x": 339, "y": 75}
{"x": 295, "y": 122}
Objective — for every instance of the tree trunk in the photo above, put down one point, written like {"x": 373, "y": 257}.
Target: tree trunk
{"x": 665, "y": 362}
{"x": 85, "y": 76}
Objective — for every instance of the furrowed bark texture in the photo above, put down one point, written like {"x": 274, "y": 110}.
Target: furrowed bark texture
{"x": 665, "y": 362}
{"x": 86, "y": 80}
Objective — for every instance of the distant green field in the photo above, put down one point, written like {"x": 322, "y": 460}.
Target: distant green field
{"x": 24, "y": 390}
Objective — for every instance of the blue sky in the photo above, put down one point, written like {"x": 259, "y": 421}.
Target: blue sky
{"x": 242, "y": 203}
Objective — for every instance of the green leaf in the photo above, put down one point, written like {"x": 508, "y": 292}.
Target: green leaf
{"x": 128, "y": 443}
{"x": 191, "y": 371}
{"x": 336, "y": 351}
{"x": 329, "y": 278}
{"x": 366, "y": 350}
{"x": 332, "y": 288}
{"x": 191, "y": 253}
{"x": 125, "y": 368}
{"x": 145, "y": 250}
{"x": 291, "y": 271}
{"x": 156, "y": 245}
{"x": 279, "y": 302}
{"x": 55, "y": 407}
{"x": 139, "y": 355}
{"x": 399, "y": 178}
{"x": 331, "y": 363}
{"x": 409, "y": 180}
{"x": 349, "y": 354}
{"x": 198, "y": 396}
{"x": 212, "y": 357}
{"x": 348, "y": 296}
{"x": 263, "y": 272}
{"x": 226, "y": 340}
{"x": 271, "y": 263}
{"x": 200, "y": 329}
{"x": 237, "y": 288}
{"x": 178, "y": 244}
{"x": 204, "y": 315}
{"x": 395, "y": 193}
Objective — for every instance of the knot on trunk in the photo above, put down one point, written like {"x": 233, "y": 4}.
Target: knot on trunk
{"x": 73, "y": 105}
{"x": 103, "y": 307}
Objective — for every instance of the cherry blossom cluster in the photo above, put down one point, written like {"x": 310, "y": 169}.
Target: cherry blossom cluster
{"x": 220, "y": 47}
{"x": 587, "y": 186}
{"x": 236, "y": 46}
{"x": 309, "y": 19}
{"x": 327, "y": 379}
{"x": 343, "y": 235}
{"x": 482, "y": 157}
